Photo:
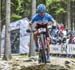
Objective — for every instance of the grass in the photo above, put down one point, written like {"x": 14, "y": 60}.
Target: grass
{"x": 19, "y": 56}
{"x": 23, "y": 55}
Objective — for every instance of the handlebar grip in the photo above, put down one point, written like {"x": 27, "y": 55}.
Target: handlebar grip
{"x": 53, "y": 27}
{"x": 28, "y": 30}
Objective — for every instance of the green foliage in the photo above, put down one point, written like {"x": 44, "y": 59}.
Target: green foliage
{"x": 55, "y": 5}
{"x": 19, "y": 8}
{"x": 56, "y": 8}
{"x": 22, "y": 8}
{"x": 16, "y": 10}
{"x": 60, "y": 11}
{"x": 15, "y": 17}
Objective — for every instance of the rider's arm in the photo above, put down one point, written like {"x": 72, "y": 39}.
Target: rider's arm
{"x": 29, "y": 25}
{"x": 50, "y": 18}
{"x": 31, "y": 22}
{"x": 54, "y": 22}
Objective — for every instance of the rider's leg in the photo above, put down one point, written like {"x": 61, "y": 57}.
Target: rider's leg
{"x": 48, "y": 47}
{"x": 36, "y": 42}
{"x": 48, "y": 44}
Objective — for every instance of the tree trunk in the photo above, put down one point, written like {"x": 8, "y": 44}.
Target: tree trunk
{"x": 7, "y": 47}
{"x": 0, "y": 28}
{"x": 32, "y": 44}
{"x": 33, "y": 7}
{"x": 68, "y": 14}
{"x": 44, "y": 2}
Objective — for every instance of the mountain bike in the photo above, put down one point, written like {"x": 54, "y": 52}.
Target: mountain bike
{"x": 43, "y": 50}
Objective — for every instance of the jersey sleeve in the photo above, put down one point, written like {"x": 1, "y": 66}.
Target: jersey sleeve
{"x": 33, "y": 19}
{"x": 50, "y": 18}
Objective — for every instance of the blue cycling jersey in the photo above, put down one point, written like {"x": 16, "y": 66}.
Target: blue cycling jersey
{"x": 46, "y": 18}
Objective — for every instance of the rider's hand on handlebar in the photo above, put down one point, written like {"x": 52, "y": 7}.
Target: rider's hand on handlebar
{"x": 28, "y": 30}
{"x": 53, "y": 27}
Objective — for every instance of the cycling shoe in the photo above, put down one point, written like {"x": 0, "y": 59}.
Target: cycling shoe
{"x": 48, "y": 59}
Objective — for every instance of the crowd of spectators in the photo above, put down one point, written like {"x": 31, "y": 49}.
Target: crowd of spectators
{"x": 61, "y": 35}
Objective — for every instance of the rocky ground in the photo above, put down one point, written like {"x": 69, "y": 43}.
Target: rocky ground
{"x": 26, "y": 63}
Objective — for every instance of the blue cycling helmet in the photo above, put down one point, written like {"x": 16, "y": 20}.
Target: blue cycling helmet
{"x": 41, "y": 8}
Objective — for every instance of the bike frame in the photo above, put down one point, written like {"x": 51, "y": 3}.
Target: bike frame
{"x": 42, "y": 47}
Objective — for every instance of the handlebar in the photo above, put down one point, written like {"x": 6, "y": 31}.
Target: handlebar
{"x": 29, "y": 31}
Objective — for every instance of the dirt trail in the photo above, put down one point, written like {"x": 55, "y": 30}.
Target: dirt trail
{"x": 57, "y": 63}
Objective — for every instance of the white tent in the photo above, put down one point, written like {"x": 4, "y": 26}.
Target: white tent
{"x": 24, "y": 36}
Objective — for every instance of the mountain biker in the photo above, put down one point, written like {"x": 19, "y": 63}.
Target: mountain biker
{"x": 42, "y": 16}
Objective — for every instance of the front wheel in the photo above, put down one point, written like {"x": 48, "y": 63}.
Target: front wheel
{"x": 42, "y": 52}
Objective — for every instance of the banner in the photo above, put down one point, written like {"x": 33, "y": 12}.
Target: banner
{"x": 55, "y": 49}
{"x": 71, "y": 49}
{"x": 24, "y": 36}
{"x": 63, "y": 49}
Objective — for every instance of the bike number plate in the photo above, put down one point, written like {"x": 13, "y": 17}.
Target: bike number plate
{"x": 42, "y": 30}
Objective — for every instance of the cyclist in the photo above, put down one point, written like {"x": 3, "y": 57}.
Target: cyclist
{"x": 42, "y": 16}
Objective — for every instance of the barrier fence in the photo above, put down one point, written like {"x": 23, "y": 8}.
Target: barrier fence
{"x": 62, "y": 49}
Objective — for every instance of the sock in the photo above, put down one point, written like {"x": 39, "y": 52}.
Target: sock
{"x": 37, "y": 45}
